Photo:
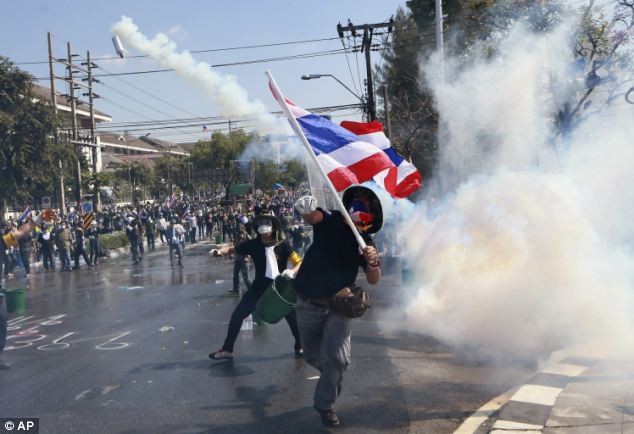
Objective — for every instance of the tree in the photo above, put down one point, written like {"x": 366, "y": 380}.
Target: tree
{"x": 29, "y": 157}
{"x": 602, "y": 71}
{"x": 294, "y": 173}
{"x": 221, "y": 149}
{"x": 170, "y": 172}
{"x": 267, "y": 173}
{"x": 140, "y": 175}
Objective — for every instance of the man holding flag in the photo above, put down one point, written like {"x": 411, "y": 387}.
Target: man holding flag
{"x": 345, "y": 155}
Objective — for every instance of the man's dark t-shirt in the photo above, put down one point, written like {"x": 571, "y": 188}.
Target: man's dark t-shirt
{"x": 333, "y": 259}
{"x": 255, "y": 249}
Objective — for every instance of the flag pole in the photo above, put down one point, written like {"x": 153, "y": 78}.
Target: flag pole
{"x": 298, "y": 130}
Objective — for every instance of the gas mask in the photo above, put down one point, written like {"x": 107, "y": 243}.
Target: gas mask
{"x": 265, "y": 229}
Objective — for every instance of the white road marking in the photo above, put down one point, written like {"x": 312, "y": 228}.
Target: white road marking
{"x": 527, "y": 393}
{"x": 316, "y": 377}
{"x": 109, "y": 388}
{"x": 471, "y": 424}
{"x": 510, "y": 425}
{"x": 564, "y": 369}
{"x": 533, "y": 394}
{"x": 82, "y": 394}
{"x": 515, "y": 431}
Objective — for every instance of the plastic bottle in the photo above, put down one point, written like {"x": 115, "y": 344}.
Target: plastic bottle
{"x": 247, "y": 324}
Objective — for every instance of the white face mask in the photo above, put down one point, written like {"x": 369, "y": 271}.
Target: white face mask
{"x": 265, "y": 229}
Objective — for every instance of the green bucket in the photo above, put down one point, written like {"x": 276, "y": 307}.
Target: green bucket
{"x": 278, "y": 300}
{"x": 16, "y": 300}
{"x": 218, "y": 238}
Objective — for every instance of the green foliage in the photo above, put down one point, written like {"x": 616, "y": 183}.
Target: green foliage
{"x": 170, "y": 172}
{"x": 266, "y": 174}
{"x": 114, "y": 240}
{"x": 105, "y": 179}
{"x": 29, "y": 158}
{"x": 602, "y": 72}
{"x": 221, "y": 149}
{"x": 294, "y": 174}
{"x": 413, "y": 117}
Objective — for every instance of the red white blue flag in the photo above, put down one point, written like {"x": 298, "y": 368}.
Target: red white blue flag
{"x": 347, "y": 158}
{"x": 25, "y": 214}
{"x": 399, "y": 181}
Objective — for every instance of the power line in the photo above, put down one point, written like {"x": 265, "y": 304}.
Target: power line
{"x": 209, "y": 50}
{"x": 349, "y": 68}
{"x": 220, "y": 65}
{"x": 150, "y": 94}
{"x": 217, "y": 120}
{"x": 248, "y": 127}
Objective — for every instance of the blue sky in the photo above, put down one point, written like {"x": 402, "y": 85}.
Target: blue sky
{"x": 196, "y": 25}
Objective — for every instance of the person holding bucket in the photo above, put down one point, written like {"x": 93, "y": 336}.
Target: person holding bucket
{"x": 11, "y": 240}
{"x": 325, "y": 284}
{"x": 270, "y": 254}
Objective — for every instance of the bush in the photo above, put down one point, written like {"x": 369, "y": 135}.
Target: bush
{"x": 114, "y": 240}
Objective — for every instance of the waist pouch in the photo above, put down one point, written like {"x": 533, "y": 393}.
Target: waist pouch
{"x": 351, "y": 306}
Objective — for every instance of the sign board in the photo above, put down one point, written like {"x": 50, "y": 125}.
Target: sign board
{"x": 87, "y": 220}
{"x": 86, "y": 207}
{"x": 46, "y": 202}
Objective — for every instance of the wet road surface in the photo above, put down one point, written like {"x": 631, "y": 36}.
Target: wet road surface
{"x": 88, "y": 356}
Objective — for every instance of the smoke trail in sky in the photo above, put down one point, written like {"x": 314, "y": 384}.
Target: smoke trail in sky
{"x": 225, "y": 90}
{"x": 530, "y": 249}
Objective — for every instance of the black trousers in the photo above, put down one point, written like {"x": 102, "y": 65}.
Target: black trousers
{"x": 25, "y": 255}
{"x": 244, "y": 309}
{"x": 149, "y": 236}
{"x": 240, "y": 266}
{"x": 81, "y": 251}
{"x": 3, "y": 322}
{"x": 47, "y": 259}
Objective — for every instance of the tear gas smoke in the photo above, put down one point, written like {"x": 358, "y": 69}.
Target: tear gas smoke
{"x": 223, "y": 89}
{"x": 531, "y": 250}
{"x": 277, "y": 149}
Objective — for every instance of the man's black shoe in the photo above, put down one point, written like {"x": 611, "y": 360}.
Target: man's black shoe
{"x": 234, "y": 292}
{"x": 4, "y": 365}
{"x": 328, "y": 417}
{"x": 299, "y": 351}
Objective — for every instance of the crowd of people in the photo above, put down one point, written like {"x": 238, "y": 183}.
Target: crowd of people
{"x": 63, "y": 243}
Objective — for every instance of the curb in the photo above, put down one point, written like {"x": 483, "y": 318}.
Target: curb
{"x": 526, "y": 408}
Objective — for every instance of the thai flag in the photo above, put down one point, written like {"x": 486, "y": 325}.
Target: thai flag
{"x": 25, "y": 214}
{"x": 345, "y": 157}
{"x": 170, "y": 200}
{"x": 400, "y": 181}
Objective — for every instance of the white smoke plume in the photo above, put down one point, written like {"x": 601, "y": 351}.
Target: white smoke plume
{"x": 532, "y": 250}
{"x": 225, "y": 90}
{"x": 275, "y": 149}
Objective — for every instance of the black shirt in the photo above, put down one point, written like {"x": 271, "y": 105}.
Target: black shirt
{"x": 333, "y": 259}
{"x": 255, "y": 249}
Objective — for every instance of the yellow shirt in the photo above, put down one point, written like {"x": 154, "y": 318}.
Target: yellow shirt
{"x": 9, "y": 240}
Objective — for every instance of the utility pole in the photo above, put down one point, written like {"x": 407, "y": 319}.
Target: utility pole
{"x": 440, "y": 49}
{"x": 62, "y": 195}
{"x": 73, "y": 111}
{"x": 93, "y": 139}
{"x": 386, "y": 105}
{"x": 366, "y": 47}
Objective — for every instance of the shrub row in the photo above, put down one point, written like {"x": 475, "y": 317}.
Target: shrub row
{"x": 114, "y": 240}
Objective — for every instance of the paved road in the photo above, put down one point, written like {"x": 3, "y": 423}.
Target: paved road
{"x": 88, "y": 357}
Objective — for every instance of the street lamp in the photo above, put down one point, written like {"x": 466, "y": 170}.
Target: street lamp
{"x": 315, "y": 76}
